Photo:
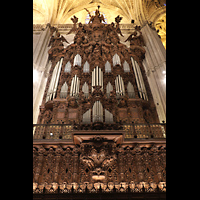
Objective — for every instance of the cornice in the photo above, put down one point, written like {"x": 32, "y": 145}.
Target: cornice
{"x": 63, "y": 27}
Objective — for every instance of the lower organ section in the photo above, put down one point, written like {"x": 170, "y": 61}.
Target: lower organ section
{"x": 134, "y": 166}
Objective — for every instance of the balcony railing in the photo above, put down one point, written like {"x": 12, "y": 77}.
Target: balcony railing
{"x": 52, "y": 131}
{"x": 146, "y": 131}
{"x": 132, "y": 131}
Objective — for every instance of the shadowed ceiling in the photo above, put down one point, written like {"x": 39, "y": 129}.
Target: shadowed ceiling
{"x": 60, "y": 11}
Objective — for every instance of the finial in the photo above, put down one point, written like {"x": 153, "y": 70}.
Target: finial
{"x": 98, "y": 7}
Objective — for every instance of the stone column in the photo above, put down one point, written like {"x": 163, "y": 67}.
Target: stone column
{"x": 155, "y": 67}
{"x": 41, "y": 67}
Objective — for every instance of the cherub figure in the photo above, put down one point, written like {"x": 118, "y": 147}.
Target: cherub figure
{"x": 136, "y": 39}
{"x": 57, "y": 40}
{"x": 97, "y": 18}
{"x": 57, "y": 47}
{"x": 117, "y": 20}
{"x": 74, "y": 20}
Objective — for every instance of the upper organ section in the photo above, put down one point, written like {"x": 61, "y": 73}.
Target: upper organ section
{"x": 97, "y": 79}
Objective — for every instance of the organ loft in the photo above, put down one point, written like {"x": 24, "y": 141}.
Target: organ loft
{"x": 98, "y": 131}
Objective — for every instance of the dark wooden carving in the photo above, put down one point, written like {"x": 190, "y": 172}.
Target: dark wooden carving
{"x": 97, "y": 43}
{"x": 104, "y": 163}
{"x": 98, "y": 159}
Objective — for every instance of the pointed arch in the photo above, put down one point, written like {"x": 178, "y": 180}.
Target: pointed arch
{"x": 109, "y": 88}
{"x": 107, "y": 67}
{"x": 87, "y": 117}
{"x": 74, "y": 91}
{"x": 77, "y": 60}
{"x": 116, "y": 60}
{"x": 85, "y": 89}
{"x": 63, "y": 92}
{"x": 119, "y": 85}
{"x": 97, "y": 77}
{"x": 126, "y": 66}
{"x": 130, "y": 89}
{"x": 86, "y": 67}
{"x": 68, "y": 67}
{"x": 97, "y": 112}
{"x": 108, "y": 116}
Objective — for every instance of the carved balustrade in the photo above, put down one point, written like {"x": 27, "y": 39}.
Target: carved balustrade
{"x": 132, "y": 131}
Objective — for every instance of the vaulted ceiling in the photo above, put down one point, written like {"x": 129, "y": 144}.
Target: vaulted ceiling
{"x": 60, "y": 11}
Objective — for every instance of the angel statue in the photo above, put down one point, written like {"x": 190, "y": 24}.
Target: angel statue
{"x": 56, "y": 43}
{"x": 73, "y": 29}
{"x": 97, "y": 18}
{"x": 117, "y": 20}
{"x": 137, "y": 43}
{"x": 57, "y": 40}
{"x": 136, "y": 39}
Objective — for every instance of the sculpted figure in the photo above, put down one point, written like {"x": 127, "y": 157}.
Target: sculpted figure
{"x": 57, "y": 40}
{"x": 74, "y": 20}
{"x": 57, "y": 47}
{"x": 97, "y": 18}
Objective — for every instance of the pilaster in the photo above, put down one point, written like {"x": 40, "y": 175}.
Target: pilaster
{"x": 155, "y": 67}
{"x": 40, "y": 67}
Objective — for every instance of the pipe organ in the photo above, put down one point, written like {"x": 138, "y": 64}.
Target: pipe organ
{"x": 86, "y": 67}
{"x": 99, "y": 81}
{"x": 74, "y": 91}
{"x": 97, "y": 77}
{"x": 54, "y": 81}
{"x": 97, "y": 117}
{"x": 64, "y": 89}
{"x": 97, "y": 112}
{"x": 109, "y": 88}
{"x": 139, "y": 80}
{"x": 85, "y": 89}
{"x": 119, "y": 85}
{"x": 68, "y": 67}
{"x": 108, "y": 117}
{"x": 130, "y": 90}
{"x": 77, "y": 60}
{"x": 107, "y": 67}
{"x": 116, "y": 60}
{"x": 126, "y": 66}
{"x": 87, "y": 117}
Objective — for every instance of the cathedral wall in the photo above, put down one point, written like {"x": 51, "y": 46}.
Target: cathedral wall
{"x": 155, "y": 66}
{"x": 40, "y": 67}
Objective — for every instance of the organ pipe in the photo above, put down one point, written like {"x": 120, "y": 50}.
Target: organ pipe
{"x": 142, "y": 83}
{"x": 75, "y": 85}
{"x": 71, "y": 86}
{"x": 97, "y": 77}
{"x": 57, "y": 78}
{"x": 139, "y": 80}
{"x": 97, "y": 70}
{"x": 92, "y": 80}
{"x": 136, "y": 76}
{"x": 97, "y": 111}
{"x": 102, "y": 80}
{"x": 119, "y": 85}
{"x": 54, "y": 81}
{"x": 123, "y": 88}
